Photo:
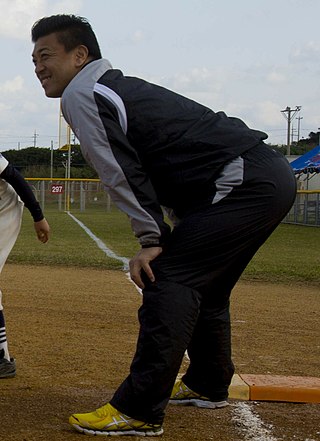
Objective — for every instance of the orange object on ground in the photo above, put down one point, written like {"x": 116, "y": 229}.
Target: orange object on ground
{"x": 282, "y": 388}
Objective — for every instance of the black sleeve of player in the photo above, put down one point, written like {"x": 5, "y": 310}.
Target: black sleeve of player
{"x": 22, "y": 188}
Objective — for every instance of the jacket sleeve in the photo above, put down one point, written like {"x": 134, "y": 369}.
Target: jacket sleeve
{"x": 11, "y": 175}
{"x": 100, "y": 127}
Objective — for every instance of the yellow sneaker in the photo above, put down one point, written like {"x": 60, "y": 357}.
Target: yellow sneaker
{"x": 109, "y": 421}
{"x": 182, "y": 395}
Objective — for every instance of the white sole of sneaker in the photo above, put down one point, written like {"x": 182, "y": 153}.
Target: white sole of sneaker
{"x": 117, "y": 432}
{"x": 200, "y": 403}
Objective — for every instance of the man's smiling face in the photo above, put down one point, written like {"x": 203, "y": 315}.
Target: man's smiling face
{"x": 55, "y": 67}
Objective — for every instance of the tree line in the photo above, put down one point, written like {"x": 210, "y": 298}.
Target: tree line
{"x": 40, "y": 162}
{"x": 302, "y": 146}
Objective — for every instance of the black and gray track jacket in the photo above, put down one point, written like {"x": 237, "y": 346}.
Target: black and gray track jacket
{"x": 150, "y": 146}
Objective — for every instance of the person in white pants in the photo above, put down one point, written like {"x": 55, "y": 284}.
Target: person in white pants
{"x": 14, "y": 194}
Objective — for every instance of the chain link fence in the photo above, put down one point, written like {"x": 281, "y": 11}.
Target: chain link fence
{"x": 86, "y": 194}
{"x": 306, "y": 208}
{"x": 70, "y": 194}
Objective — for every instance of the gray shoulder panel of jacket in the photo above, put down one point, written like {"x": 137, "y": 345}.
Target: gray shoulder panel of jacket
{"x": 81, "y": 113}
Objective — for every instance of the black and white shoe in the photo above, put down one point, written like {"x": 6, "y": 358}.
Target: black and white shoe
{"x": 7, "y": 368}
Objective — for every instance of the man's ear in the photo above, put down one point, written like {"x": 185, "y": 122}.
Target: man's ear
{"x": 81, "y": 54}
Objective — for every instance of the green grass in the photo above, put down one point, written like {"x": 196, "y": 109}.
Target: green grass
{"x": 113, "y": 228}
{"x": 69, "y": 245}
{"x": 290, "y": 255}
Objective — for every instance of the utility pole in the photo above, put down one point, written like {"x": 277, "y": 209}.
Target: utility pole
{"x": 35, "y": 135}
{"x": 292, "y": 134}
{"x": 289, "y": 115}
{"x": 51, "y": 161}
{"x": 299, "y": 119}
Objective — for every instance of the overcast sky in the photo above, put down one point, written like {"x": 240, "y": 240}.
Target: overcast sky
{"x": 249, "y": 58}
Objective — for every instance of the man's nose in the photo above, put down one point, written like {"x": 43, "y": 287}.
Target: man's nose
{"x": 38, "y": 68}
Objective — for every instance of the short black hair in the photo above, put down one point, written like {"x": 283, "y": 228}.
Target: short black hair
{"x": 71, "y": 31}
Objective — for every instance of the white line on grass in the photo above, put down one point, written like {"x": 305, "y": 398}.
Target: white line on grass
{"x": 101, "y": 244}
{"x": 105, "y": 249}
{"x": 250, "y": 424}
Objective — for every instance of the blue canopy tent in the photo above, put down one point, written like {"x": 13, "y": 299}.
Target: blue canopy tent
{"x": 309, "y": 163}
{"x": 307, "y": 204}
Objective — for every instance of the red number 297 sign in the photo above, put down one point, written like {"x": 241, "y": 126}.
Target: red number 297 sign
{"x": 57, "y": 188}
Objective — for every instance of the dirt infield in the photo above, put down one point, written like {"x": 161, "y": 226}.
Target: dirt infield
{"x": 73, "y": 332}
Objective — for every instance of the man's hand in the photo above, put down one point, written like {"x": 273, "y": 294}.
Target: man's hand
{"x": 42, "y": 230}
{"x": 141, "y": 262}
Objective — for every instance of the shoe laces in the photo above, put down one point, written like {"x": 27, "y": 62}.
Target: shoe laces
{"x": 106, "y": 410}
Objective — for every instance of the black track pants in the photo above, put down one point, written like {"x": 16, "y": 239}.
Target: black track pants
{"x": 187, "y": 308}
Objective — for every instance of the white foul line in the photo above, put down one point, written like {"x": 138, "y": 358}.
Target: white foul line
{"x": 250, "y": 424}
{"x": 105, "y": 249}
{"x": 101, "y": 244}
